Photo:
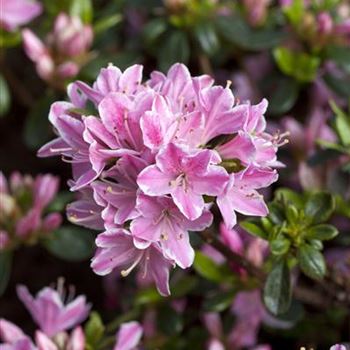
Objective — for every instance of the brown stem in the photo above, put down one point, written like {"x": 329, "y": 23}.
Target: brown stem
{"x": 302, "y": 293}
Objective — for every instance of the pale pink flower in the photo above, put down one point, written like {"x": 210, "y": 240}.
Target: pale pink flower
{"x": 128, "y": 336}
{"x": 28, "y": 221}
{"x": 13, "y": 337}
{"x": 338, "y": 347}
{"x": 63, "y": 51}
{"x": 241, "y": 194}
{"x": 51, "y": 313}
{"x": 161, "y": 221}
{"x": 15, "y": 13}
{"x": 117, "y": 250}
{"x": 186, "y": 176}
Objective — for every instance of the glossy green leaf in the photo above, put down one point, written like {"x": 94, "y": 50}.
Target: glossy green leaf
{"x": 37, "y": 129}
{"x": 5, "y": 97}
{"x": 299, "y": 65}
{"x": 206, "y": 35}
{"x": 279, "y": 246}
{"x": 154, "y": 29}
{"x": 277, "y": 290}
{"x": 235, "y": 30}
{"x": 71, "y": 243}
{"x": 184, "y": 286}
{"x": 5, "y": 269}
{"x": 322, "y": 232}
{"x": 208, "y": 269}
{"x": 311, "y": 262}
{"x": 283, "y": 95}
{"x": 106, "y": 23}
{"x": 94, "y": 329}
{"x": 175, "y": 49}
{"x": 319, "y": 207}
{"x": 342, "y": 124}
{"x": 253, "y": 229}
{"x": 339, "y": 84}
{"x": 219, "y": 302}
{"x": 295, "y": 11}
{"x": 82, "y": 9}
{"x": 340, "y": 55}
{"x": 169, "y": 321}
{"x": 290, "y": 197}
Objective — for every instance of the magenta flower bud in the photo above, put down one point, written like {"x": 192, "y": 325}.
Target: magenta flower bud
{"x": 324, "y": 23}
{"x": 15, "y": 13}
{"x": 68, "y": 69}
{"x": 52, "y": 222}
{"x": 128, "y": 336}
{"x": 71, "y": 36}
{"x": 4, "y": 239}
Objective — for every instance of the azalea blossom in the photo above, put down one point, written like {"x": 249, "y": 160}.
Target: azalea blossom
{"x": 23, "y": 201}
{"x": 64, "y": 50}
{"x": 50, "y": 312}
{"x": 150, "y": 160}
{"x": 15, "y": 13}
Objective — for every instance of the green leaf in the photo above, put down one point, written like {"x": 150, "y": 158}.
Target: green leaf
{"x": 299, "y": 65}
{"x": 339, "y": 84}
{"x": 148, "y": 296}
{"x": 175, "y": 49}
{"x": 207, "y": 37}
{"x": 184, "y": 286}
{"x": 311, "y": 262}
{"x": 37, "y": 128}
{"x": 60, "y": 201}
{"x": 284, "y": 94}
{"x": 342, "y": 124}
{"x": 9, "y": 39}
{"x": 295, "y": 11}
{"x": 5, "y": 269}
{"x": 277, "y": 290}
{"x": 292, "y": 214}
{"x": 340, "y": 55}
{"x": 154, "y": 29}
{"x": 219, "y": 302}
{"x": 288, "y": 196}
{"x": 253, "y": 229}
{"x": 317, "y": 244}
{"x": 235, "y": 30}
{"x": 5, "y": 97}
{"x": 208, "y": 269}
{"x": 169, "y": 321}
{"x": 82, "y": 9}
{"x": 105, "y": 23}
{"x": 279, "y": 246}
{"x": 276, "y": 213}
{"x": 71, "y": 243}
{"x": 322, "y": 232}
{"x": 94, "y": 329}
{"x": 319, "y": 207}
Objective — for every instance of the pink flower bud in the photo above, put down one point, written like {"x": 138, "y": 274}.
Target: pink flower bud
{"x": 52, "y": 222}
{"x": 324, "y": 23}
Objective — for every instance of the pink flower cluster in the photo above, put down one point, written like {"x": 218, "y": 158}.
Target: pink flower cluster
{"x": 23, "y": 201}
{"x": 14, "y": 13}
{"x": 151, "y": 159}
{"x": 54, "y": 319}
{"x": 65, "y": 49}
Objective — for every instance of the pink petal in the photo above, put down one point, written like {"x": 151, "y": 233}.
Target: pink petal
{"x": 154, "y": 182}
{"x": 129, "y": 336}
{"x": 189, "y": 203}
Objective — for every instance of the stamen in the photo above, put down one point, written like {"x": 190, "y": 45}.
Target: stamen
{"x": 126, "y": 272}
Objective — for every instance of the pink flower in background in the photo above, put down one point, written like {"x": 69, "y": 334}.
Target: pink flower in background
{"x": 15, "y": 13}
{"x": 51, "y": 313}
{"x": 338, "y": 347}
{"x": 64, "y": 50}
{"x": 128, "y": 336}
{"x": 149, "y": 156}
{"x": 13, "y": 337}
{"x": 22, "y": 208}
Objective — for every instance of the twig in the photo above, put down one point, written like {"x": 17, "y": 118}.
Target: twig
{"x": 302, "y": 293}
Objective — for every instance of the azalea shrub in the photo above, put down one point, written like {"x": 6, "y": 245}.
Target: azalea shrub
{"x": 175, "y": 175}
